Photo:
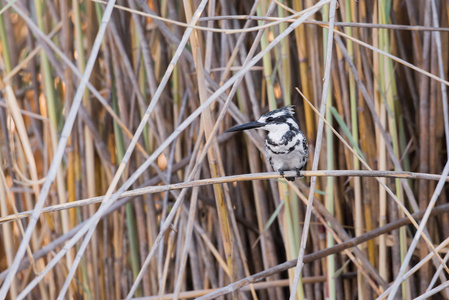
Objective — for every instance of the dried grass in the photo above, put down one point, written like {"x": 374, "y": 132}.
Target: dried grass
{"x": 128, "y": 110}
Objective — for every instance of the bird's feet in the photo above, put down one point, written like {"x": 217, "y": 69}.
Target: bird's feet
{"x": 288, "y": 178}
{"x": 298, "y": 173}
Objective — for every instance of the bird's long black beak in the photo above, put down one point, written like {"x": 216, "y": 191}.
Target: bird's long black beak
{"x": 246, "y": 126}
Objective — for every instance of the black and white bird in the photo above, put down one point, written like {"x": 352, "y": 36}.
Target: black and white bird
{"x": 286, "y": 145}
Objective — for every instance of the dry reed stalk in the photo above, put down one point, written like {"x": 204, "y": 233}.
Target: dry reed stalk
{"x": 380, "y": 79}
{"x": 314, "y": 256}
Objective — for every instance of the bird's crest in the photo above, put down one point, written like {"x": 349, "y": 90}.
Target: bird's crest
{"x": 287, "y": 110}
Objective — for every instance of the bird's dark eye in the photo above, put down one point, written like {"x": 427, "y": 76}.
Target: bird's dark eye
{"x": 269, "y": 119}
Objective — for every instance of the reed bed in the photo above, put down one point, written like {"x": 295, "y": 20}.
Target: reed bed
{"x": 118, "y": 181}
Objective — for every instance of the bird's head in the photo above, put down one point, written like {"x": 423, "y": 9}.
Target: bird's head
{"x": 279, "y": 120}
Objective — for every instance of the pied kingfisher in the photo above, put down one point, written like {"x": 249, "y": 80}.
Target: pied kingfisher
{"x": 285, "y": 144}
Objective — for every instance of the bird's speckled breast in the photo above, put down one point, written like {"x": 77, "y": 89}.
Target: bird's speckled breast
{"x": 287, "y": 153}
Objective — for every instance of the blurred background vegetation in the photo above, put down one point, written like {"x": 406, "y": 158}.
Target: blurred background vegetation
{"x": 390, "y": 113}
